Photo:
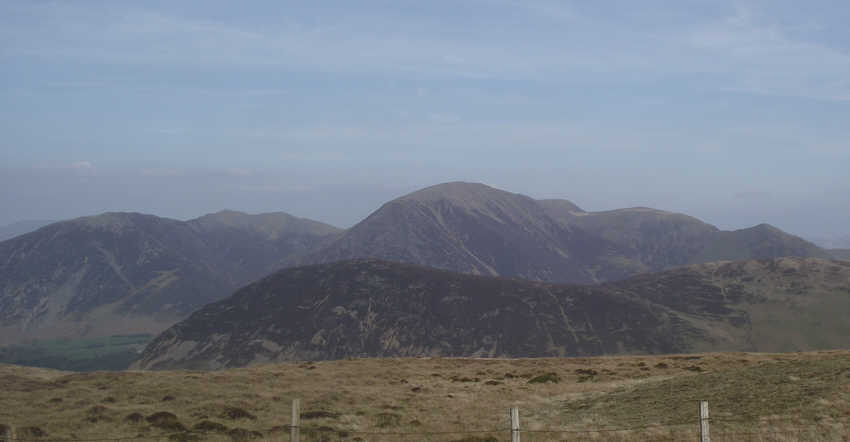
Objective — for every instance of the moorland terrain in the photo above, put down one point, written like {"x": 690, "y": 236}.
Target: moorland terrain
{"x": 752, "y": 397}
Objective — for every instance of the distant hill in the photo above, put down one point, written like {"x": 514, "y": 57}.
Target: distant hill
{"x": 121, "y": 273}
{"x": 660, "y": 240}
{"x": 369, "y": 308}
{"x": 251, "y": 246}
{"x": 840, "y": 254}
{"x": 473, "y": 228}
{"x": 836, "y": 242}
{"x": 21, "y": 227}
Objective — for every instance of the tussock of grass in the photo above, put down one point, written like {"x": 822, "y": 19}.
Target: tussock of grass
{"x": 387, "y": 420}
{"x": 319, "y": 414}
{"x": 545, "y": 378}
{"x": 210, "y": 427}
{"x": 236, "y": 413}
{"x": 477, "y": 439}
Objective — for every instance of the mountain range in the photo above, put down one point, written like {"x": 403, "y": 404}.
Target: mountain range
{"x": 119, "y": 273}
{"x": 370, "y": 308}
{"x": 474, "y": 228}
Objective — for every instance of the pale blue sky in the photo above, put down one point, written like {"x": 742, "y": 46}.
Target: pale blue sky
{"x": 735, "y": 112}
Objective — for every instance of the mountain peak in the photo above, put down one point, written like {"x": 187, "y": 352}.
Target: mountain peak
{"x": 459, "y": 191}
{"x": 480, "y": 199}
{"x": 766, "y": 228}
{"x": 272, "y": 224}
{"x": 117, "y": 221}
{"x": 226, "y": 213}
{"x": 474, "y": 228}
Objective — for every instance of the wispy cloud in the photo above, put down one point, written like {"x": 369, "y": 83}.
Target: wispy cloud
{"x": 82, "y": 165}
{"x": 161, "y": 172}
{"x": 763, "y": 58}
{"x": 448, "y": 135}
{"x": 742, "y": 51}
{"x": 239, "y": 172}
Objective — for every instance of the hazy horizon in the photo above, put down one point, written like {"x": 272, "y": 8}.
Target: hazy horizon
{"x": 838, "y": 240}
{"x": 735, "y": 112}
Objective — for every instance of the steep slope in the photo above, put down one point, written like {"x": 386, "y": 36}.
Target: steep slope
{"x": 660, "y": 240}
{"x": 21, "y": 227}
{"x": 473, "y": 228}
{"x": 379, "y": 309}
{"x": 129, "y": 273}
{"x": 56, "y": 280}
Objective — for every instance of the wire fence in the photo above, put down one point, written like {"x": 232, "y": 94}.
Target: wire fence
{"x": 678, "y": 432}
{"x": 722, "y": 430}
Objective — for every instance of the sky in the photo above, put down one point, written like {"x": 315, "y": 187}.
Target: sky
{"x": 737, "y": 112}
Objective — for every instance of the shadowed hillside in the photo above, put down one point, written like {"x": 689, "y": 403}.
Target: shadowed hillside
{"x": 370, "y": 308}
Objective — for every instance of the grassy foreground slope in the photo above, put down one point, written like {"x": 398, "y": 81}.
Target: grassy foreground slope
{"x": 794, "y": 396}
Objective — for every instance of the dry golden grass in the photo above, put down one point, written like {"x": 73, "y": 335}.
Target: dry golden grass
{"x": 776, "y": 397}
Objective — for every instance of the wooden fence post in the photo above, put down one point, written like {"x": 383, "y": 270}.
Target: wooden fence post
{"x": 515, "y": 424}
{"x": 296, "y": 420}
{"x": 7, "y": 432}
{"x": 703, "y": 422}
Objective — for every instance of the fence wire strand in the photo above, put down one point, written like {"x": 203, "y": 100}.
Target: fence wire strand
{"x": 724, "y": 428}
{"x": 572, "y": 431}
